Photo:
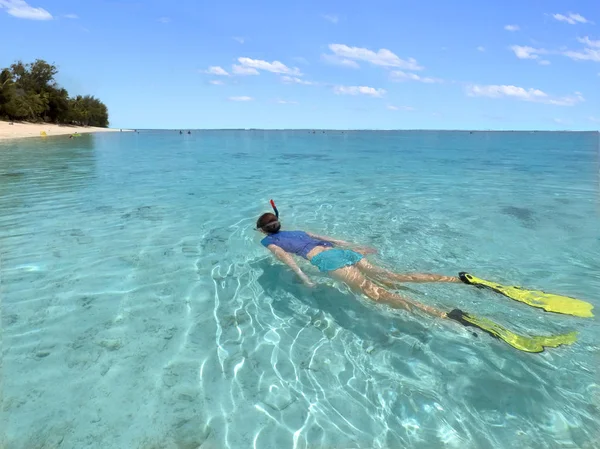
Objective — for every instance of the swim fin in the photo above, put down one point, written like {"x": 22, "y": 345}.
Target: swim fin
{"x": 535, "y": 298}
{"x": 522, "y": 343}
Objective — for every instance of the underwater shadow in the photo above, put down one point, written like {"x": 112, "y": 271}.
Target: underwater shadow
{"x": 371, "y": 323}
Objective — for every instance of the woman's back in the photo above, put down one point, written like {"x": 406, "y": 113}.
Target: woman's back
{"x": 295, "y": 242}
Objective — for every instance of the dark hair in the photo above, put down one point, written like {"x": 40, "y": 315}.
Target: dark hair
{"x": 269, "y": 223}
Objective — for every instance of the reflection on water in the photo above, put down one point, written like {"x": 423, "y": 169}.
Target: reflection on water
{"x": 56, "y": 166}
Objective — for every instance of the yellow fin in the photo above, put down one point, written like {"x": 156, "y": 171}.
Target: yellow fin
{"x": 535, "y": 298}
{"x": 520, "y": 342}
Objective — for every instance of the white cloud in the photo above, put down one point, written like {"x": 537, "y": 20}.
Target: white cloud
{"x": 20, "y": 9}
{"x": 399, "y": 75}
{"x": 358, "y": 90}
{"x": 525, "y": 52}
{"x": 164, "y": 20}
{"x": 71, "y": 16}
{"x": 571, "y": 18}
{"x": 243, "y": 71}
{"x": 400, "y": 108}
{"x": 294, "y": 80}
{"x": 331, "y": 18}
{"x": 590, "y": 53}
{"x": 216, "y": 82}
{"x": 594, "y": 119}
{"x": 561, "y": 121}
{"x": 286, "y": 102}
{"x": 481, "y": 48}
{"x": 335, "y": 60}
{"x": 511, "y": 27}
{"x": 216, "y": 70}
{"x": 590, "y": 43}
{"x": 520, "y": 93}
{"x": 495, "y": 91}
{"x": 242, "y": 98}
{"x": 587, "y": 54}
{"x": 383, "y": 57}
{"x": 274, "y": 67}
{"x": 241, "y": 40}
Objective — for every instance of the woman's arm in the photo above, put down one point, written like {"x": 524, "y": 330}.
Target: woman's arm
{"x": 289, "y": 261}
{"x": 361, "y": 249}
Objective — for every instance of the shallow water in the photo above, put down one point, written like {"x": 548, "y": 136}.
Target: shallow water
{"x": 140, "y": 311}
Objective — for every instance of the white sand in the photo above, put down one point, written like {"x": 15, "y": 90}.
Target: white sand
{"x": 23, "y": 129}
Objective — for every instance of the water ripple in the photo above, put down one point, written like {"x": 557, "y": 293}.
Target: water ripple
{"x": 137, "y": 315}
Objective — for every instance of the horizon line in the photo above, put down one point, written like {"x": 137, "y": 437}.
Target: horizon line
{"x": 367, "y": 129}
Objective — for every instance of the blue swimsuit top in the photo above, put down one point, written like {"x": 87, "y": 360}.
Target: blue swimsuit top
{"x": 295, "y": 242}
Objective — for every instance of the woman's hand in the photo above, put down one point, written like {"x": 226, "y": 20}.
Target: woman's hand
{"x": 305, "y": 279}
{"x": 309, "y": 283}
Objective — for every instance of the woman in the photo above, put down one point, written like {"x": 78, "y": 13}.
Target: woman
{"x": 343, "y": 261}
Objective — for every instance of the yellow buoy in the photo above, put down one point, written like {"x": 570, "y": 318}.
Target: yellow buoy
{"x": 43, "y": 134}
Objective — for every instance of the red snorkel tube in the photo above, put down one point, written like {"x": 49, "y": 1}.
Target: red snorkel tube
{"x": 274, "y": 208}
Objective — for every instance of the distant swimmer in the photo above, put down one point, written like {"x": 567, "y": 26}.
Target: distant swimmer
{"x": 189, "y": 132}
{"x": 345, "y": 262}
{"x": 180, "y": 132}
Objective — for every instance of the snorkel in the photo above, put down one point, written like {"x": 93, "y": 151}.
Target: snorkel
{"x": 274, "y": 209}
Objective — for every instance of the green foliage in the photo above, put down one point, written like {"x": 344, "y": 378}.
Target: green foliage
{"x": 87, "y": 110}
{"x": 30, "y": 92}
{"x": 24, "y": 105}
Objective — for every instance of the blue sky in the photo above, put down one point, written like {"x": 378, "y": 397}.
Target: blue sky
{"x": 320, "y": 64}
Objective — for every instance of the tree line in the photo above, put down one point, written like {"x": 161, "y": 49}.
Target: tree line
{"x": 29, "y": 92}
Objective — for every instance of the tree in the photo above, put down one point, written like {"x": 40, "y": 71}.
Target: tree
{"x": 88, "y": 111}
{"x": 35, "y": 77}
{"x": 6, "y": 90}
{"x": 58, "y": 106}
{"x": 30, "y": 92}
{"x": 26, "y": 105}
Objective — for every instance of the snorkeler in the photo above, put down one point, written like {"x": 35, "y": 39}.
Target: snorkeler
{"x": 345, "y": 261}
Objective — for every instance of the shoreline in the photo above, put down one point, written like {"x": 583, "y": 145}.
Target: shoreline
{"x": 21, "y": 130}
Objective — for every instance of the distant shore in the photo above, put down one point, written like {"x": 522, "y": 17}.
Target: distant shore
{"x": 19, "y": 130}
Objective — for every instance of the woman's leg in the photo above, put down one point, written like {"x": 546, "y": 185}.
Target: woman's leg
{"x": 359, "y": 283}
{"x": 389, "y": 278}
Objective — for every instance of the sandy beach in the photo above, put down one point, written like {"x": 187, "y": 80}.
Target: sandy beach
{"x": 21, "y": 129}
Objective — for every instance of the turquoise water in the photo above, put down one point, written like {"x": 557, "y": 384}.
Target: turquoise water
{"x": 140, "y": 311}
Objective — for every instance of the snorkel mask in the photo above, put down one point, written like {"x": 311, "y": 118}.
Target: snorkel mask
{"x": 273, "y": 226}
